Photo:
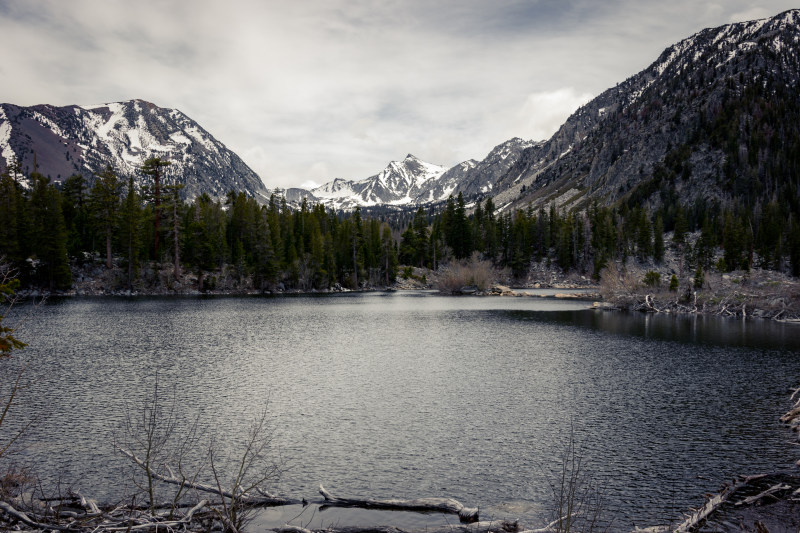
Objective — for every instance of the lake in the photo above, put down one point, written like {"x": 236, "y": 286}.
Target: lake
{"x": 413, "y": 394}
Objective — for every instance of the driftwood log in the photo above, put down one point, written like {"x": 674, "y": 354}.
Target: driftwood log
{"x": 734, "y": 496}
{"x": 118, "y": 519}
{"x": 496, "y": 526}
{"x": 694, "y": 520}
{"x": 440, "y": 505}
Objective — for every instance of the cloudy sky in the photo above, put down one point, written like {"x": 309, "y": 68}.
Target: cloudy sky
{"x": 309, "y": 90}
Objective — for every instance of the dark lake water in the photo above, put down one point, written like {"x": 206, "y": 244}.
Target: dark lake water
{"x": 412, "y": 394}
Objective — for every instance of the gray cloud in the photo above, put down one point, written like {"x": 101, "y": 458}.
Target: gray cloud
{"x": 320, "y": 89}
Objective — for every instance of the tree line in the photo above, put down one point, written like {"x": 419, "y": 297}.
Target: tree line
{"x": 43, "y": 224}
{"x": 704, "y": 235}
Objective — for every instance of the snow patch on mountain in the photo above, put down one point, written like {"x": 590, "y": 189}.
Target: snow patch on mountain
{"x": 5, "y": 134}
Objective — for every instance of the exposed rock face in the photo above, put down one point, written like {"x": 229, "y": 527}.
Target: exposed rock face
{"x": 83, "y": 140}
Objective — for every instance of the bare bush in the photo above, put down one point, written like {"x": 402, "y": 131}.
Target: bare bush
{"x": 619, "y": 286}
{"x": 150, "y": 434}
{"x": 164, "y": 453}
{"x": 254, "y": 468}
{"x": 577, "y": 503}
{"x": 473, "y": 271}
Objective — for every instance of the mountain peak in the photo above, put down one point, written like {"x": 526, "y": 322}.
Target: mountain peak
{"x": 77, "y": 139}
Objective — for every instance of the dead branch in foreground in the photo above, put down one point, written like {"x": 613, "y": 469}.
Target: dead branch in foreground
{"x": 122, "y": 518}
{"x": 265, "y": 499}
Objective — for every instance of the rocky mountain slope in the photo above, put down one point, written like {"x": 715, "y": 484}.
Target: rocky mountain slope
{"x": 83, "y": 140}
{"x": 712, "y": 118}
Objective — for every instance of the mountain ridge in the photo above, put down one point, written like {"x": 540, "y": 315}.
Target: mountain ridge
{"x": 76, "y": 139}
{"x": 626, "y": 134}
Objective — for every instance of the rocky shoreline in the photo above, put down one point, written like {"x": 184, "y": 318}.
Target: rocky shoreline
{"x": 762, "y": 294}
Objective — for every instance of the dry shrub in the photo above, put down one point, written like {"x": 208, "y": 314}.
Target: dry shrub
{"x": 14, "y": 481}
{"x": 472, "y": 271}
{"x": 619, "y": 286}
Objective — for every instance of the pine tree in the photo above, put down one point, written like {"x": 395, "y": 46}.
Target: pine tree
{"x": 153, "y": 168}
{"x": 420, "y": 237}
{"x": 130, "y": 226}
{"x": 734, "y": 242}
{"x": 49, "y": 234}
{"x": 658, "y": 239}
{"x": 644, "y": 240}
{"x": 172, "y": 207}
{"x": 388, "y": 256}
{"x": 408, "y": 246}
{"x": 264, "y": 255}
{"x": 356, "y": 241}
{"x": 489, "y": 229}
{"x": 104, "y": 200}
{"x": 10, "y": 199}
{"x": 76, "y": 214}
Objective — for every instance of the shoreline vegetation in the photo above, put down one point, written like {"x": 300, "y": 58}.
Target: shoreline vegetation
{"x": 629, "y": 286}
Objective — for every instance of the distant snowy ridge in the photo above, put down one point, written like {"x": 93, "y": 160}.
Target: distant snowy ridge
{"x": 414, "y": 182}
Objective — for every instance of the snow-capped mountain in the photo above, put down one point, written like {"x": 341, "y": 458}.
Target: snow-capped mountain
{"x": 84, "y": 139}
{"x": 399, "y": 183}
{"x": 414, "y": 182}
{"x": 667, "y": 120}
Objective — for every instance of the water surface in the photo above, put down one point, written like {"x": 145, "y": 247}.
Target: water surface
{"x": 412, "y": 394}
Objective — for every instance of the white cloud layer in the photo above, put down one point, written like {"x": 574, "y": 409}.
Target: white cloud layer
{"x": 308, "y": 91}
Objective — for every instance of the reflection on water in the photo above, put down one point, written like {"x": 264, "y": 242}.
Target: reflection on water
{"x": 413, "y": 394}
{"x": 692, "y": 329}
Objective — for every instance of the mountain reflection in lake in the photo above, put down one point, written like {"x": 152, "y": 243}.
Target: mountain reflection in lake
{"x": 413, "y": 394}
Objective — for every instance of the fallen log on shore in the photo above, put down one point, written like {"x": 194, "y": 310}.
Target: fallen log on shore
{"x": 495, "y": 526}
{"x": 441, "y": 505}
{"x": 753, "y": 492}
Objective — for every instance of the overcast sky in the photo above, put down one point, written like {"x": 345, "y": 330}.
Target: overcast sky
{"x": 307, "y": 91}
